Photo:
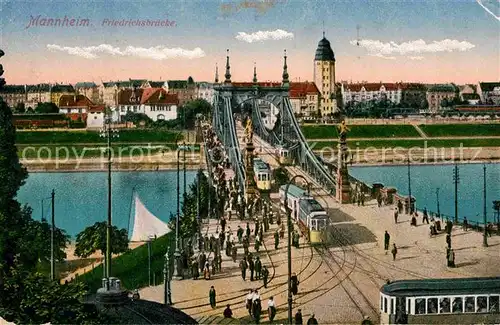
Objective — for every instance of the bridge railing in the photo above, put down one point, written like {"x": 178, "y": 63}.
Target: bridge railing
{"x": 233, "y": 147}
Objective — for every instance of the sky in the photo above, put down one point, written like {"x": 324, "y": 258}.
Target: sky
{"x": 432, "y": 41}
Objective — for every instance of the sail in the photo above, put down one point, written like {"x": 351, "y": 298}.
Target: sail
{"x": 146, "y": 224}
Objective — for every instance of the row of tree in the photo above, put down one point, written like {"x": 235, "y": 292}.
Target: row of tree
{"x": 41, "y": 108}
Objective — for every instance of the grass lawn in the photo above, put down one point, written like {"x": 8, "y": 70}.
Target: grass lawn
{"x": 409, "y": 143}
{"x": 360, "y": 131}
{"x": 66, "y": 137}
{"x": 132, "y": 267}
{"x": 448, "y": 130}
{"x": 81, "y": 151}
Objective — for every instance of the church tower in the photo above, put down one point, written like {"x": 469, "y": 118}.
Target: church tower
{"x": 324, "y": 76}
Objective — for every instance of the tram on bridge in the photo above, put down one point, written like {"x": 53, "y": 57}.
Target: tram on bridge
{"x": 262, "y": 174}
{"x": 306, "y": 211}
{"x": 441, "y": 301}
{"x": 283, "y": 155}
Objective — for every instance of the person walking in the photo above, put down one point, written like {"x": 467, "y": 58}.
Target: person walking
{"x": 465, "y": 224}
{"x": 234, "y": 253}
{"x": 248, "y": 230}
{"x": 228, "y": 313}
{"x": 276, "y": 239}
{"x": 451, "y": 258}
{"x": 211, "y": 295}
{"x": 251, "y": 266}
{"x": 256, "y": 307}
{"x": 249, "y": 300}
{"x": 387, "y": 239}
{"x": 219, "y": 261}
{"x": 448, "y": 240}
{"x": 295, "y": 283}
{"x": 425, "y": 218}
{"x": 312, "y": 320}
{"x": 271, "y": 308}
{"x": 194, "y": 270}
{"x": 223, "y": 224}
{"x": 206, "y": 271}
{"x": 396, "y": 214}
{"x": 258, "y": 268}
{"x": 239, "y": 233}
{"x": 257, "y": 243}
{"x": 243, "y": 268}
{"x": 201, "y": 261}
{"x": 265, "y": 275}
{"x": 394, "y": 251}
{"x": 298, "y": 317}
{"x": 256, "y": 230}
{"x": 245, "y": 246}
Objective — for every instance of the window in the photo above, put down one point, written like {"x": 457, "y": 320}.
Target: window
{"x": 432, "y": 306}
{"x": 482, "y": 304}
{"x": 419, "y": 306}
{"x": 444, "y": 305}
{"x": 385, "y": 305}
{"x": 470, "y": 304}
{"x": 494, "y": 304}
{"x": 457, "y": 306}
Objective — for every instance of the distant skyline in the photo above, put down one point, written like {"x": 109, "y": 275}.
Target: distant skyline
{"x": 431, "y": 41}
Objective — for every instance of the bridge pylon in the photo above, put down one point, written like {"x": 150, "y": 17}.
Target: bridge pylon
{"x": 343, "y": 184}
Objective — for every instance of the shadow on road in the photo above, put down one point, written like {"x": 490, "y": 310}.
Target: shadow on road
{"x": 348, "y": 234}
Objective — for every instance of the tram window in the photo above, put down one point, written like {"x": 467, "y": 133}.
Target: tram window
{"x": 444, "y": 305}
{"x": 457, "y": 306}
{"x": 385, "y": 305}
{"x": 482, "y": 304}
{"x": 494, "y": 300}
{"x": 432, "y": 305}
{"x": 420, "y": 306}
{"x": 470, "y": 304}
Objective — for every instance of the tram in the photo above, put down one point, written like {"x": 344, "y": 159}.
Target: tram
{"x": 441, "y": 301}
{"x": 309, "y": 214}
{"x": 283, "y": 155}
{"x": 262, "y": 174}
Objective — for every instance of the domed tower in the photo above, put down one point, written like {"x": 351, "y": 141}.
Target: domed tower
{"x": 324, "y": 76}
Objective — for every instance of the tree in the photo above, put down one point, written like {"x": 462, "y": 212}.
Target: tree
{"x": 20, "y": 108}
{"x": 44, "y": 108}
{"x": 136, "y": 118}
{"x": 281, "y": 176}
{"x": 93, "y": 238}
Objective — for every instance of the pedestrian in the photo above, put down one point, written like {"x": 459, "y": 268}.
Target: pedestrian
{"x": 248, "y": 230}
{"x": 379, "y": 200}
{"x": 282, "y": 231}
{"x": 211, "y": 295}
{"x": 265, "y": 275}
{"x": 194, "y": 270}
{"x": 451, "y": 258}
{"x": 223, "y": 224}
{"x": 257, "y": 243}
{"x": 465, "y": 224}
{"x": 256, "y": 307}
{"x": 234, "y": 253}
{"x": 413, "y": 221}
{"x": 228, "y": 313}
{"x": 258, "y": 268}
{"x": 239, "y": 233}
{"x": 206, "y": 271}
{"x": 425, "y": 218}
{"x": 243, "y": 268}
{"x": 276, "y": 239}
{"x": 312, "y": 320}
{"x": 251, "y": 266}
{"x": 214, "y": 264}
{"x": 256, "y": 230}
{"x": 298, "y": 317}
{"x": 295, "y": 283}
{"x": 228, "y": 248}
{"x": 396, "y": 214}
{"x": 261, "y": 232}
{"x": 400, "y": 207}
{"x": 387, "y": 239}
{"x": 448, "y": 240}
{"x": 271, "y": 309}
{"x": 201, "y": 261}
{"x": 206, "y": 243}
{"x": 394, "y": 251}
{"x": 362, "y": 198}
{"x": 245, "y": 246}
{"x": 219, "y": 261}
{"x": 425, "y": 213}
{"x": 249, "y": 302}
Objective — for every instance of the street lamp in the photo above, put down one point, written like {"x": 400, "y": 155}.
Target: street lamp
{"x": 485, "y": 234}
{"x": 456, "y": 179}
{"x": 410, "y": 206}
{"x": 149, "y": 259}
{"x": 167, "y": 294}
{"x": 108, "y": 133}
{"x": 437, "y": 200}
{"x": 184, "y": 165}
{"x": 289, "y": 221}
{"x": 177, "y": 254}
{"x": 496, "y": 207}
{"x": 52, "y": 260}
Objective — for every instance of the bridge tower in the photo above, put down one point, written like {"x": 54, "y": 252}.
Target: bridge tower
{"x": 343, "y": 185}
{"x": 324, "y": 76}
{"x": 250, "y": 185}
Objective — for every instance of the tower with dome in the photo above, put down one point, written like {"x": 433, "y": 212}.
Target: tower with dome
{"x": 324, "y": 76}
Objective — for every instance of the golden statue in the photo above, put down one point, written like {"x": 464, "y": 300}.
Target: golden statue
{"x": 343, "y": 129}
{"x": 249, "y": 130}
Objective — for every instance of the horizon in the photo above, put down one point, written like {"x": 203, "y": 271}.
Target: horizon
{"x": 445, "y": 42}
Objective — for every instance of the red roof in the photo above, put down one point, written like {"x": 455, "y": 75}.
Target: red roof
{"x": 97, "y": 108}
{"x": 260, "y": 84}
{"x": 372, "y": 86}
{"x": 159, "y": 96}
{"x": 74, "y": 101}
{"x": 301, "y": 89}
{"x": 125, "y": 95}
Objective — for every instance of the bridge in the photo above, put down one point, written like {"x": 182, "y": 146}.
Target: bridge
{"x": 234, "y": 97}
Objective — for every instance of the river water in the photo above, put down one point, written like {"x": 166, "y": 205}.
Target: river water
{"x": 425, "y": 179}
{"x": 81, "y": 198}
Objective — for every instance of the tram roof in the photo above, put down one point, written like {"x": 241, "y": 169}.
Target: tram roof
{"x": 294, "y": 191}
{"x": 442, "y": 287}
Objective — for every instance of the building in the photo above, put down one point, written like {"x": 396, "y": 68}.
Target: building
{"x": 305, "y": 98}
{"x": 156, "y": 84}
{"x": 324, "y": 76}
{"x": 185, "y": 89}
{"x": 437, "y": 93}
{"x": 108, "y": 91}
{"x": 489, "y": 93}
{"x": 37, "y": 94}
{"x": 366, "y": 92}
{"x": 413, "y": 95}
{"x": 95, "y": 117}
{"x": 75, "y": 106}
{"x": 89, "y": 90}
{"x": 205, "y": 90}
{"x": 13, "y": 95}
{"x": 156, "y": 103}
{"x": 57, "y": 90}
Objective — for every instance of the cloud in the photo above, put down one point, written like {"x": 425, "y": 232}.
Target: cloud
{"x": 261, "y": 36}
{"x": 155, "y": 53}
{"x": 377, "y": 48}
{"x": 379, "y": 55}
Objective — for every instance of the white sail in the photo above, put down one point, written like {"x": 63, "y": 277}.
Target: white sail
{"x": 146, "y": 224}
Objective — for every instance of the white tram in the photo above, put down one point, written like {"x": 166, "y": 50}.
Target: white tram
{"x": 283, "y": 155}
{"x": 262, "y": 174}
{"x": 441, "y": 301}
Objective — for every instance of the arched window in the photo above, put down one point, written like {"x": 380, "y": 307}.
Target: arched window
{"x": 160, "y": 117}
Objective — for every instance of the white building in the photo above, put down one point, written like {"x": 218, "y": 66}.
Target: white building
{"x": 304, "y": 97}
{"x": 156, "y": 103}
{"x": 366, "y": 92}
{"x": 95, "y": 117}
{"x": 205, "y": 90}
{"x": 324, "y": 77}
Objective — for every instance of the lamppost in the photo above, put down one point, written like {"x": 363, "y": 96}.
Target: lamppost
{"x": 42, "y": 200}
{"x": 177, "y": 254}
{"x": 485, "y": 233}
{"x": 289, "y": 246}
{"x": 410, "y": 206}
{"x": 456, "y": 179}
{"x": 184, "y": 165}
{"x": 437, "y": 200}
{"x": 167, "y": 294}
{"x": 108, "y": 133}
{"x": 52, "y": 260}
{"x": 496, "y": 207}
{"x": 149, "y": 259}
{"x": 198, "y": 217}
